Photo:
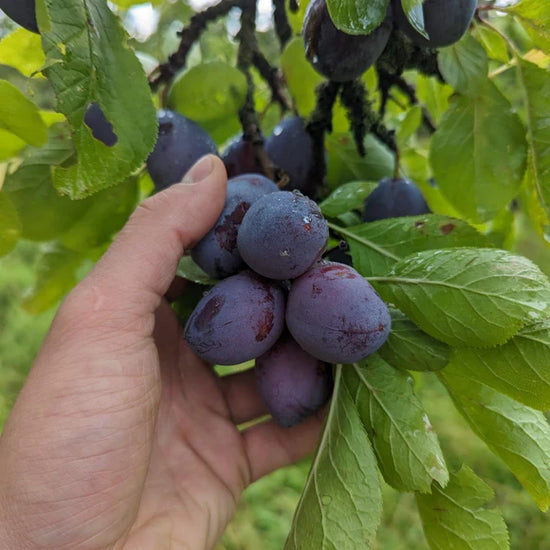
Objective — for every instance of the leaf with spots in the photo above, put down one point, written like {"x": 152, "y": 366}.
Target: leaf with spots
{"x": 457, "y": 516}
{"x": 341, "y": 505}
{"x": 89, "y": 64}
{"x": 407, "y": 448}
{"x": 377, "y": 246}
{"x": 474, "y": 297}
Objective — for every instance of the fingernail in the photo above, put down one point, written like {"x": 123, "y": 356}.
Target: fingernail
{"x": 199, "y": 171}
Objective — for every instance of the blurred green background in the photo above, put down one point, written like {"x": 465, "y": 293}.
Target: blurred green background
{"x": 266, "y": 511}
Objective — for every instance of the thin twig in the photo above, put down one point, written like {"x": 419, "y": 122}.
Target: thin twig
{"x": 164, "y": 73}
{"x": 280, "y": 19}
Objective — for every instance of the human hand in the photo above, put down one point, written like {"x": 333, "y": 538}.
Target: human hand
{"x": 121, "y": 438}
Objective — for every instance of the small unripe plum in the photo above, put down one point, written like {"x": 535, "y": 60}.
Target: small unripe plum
{"x": 23, "y": 12}
{"x": 335, "y": 54}
{"x": 445, "y": 21}
{"x": 282, "y": 235}
{"x": 290, "y": 147}
{"x": 336, "y": 315}
{"x": 181, "y": 142}
{"x": 239, "y": 158}
{"x": 238, "y": 320}
{"x": 292, "y": 383}
{"x": 393, "y": 198}
{"x": 216, "y": 253}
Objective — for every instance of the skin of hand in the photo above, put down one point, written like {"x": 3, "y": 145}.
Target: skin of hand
{"x": 121, "y": 438}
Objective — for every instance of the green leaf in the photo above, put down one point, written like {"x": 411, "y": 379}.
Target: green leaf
{"x": 43, "y": 212}
{"x": 377, "y": 246}
{"x": 464, "y": 66}
{"x": 415, "y": 14}
{"x": 455, "y": 517}
{"x": 349, "y": 196}
{"x": 357, "y": 17}
{"x": 435, "y": 95}
{"x": 125, "y": 4}
{"x": 105, "y": 214}
{"x": 22, "y": 50}
{"x": 408, "y": 125}
{"x": 208, "y": 92}
{"x": 88, "y": 61}
{"x": 404, "y": 441}
{"x": 476, "y": 297}
{"x": 56, "y": 274}
{"x": 341, "y": 503}
{"x": 10, "y": 145}
{"x": 20, "y": 116}
{"x": 519, "y": 435}
{"x": 408, "y": 348}
{"x": 478, "y": 154}
{"x": 10, "y": 226}
{"x": 535, "y": 87}
{"x": 493, "y": 42}
{"x": 345, "y": 164}
{"x": 535, "y": 17}
{"x": 189, "y": 270}
{"x": 300, "y": 76}
{"x": 518, "y": 368}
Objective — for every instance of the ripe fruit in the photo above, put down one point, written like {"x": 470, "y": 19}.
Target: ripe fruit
{"x": 282, "y": 235}
{"x": 101, "y": 128}
{"x": 290, "y": 147}
{"x": 445, "y": 21}
{"x": 239, "y": 159}
{"x": 393, "y": 198}
{"x": 216, "y": 253}
{"x": 238, "y": 320}
{"x": 335, "y": 54}
{"x": 336, "y": 315}
{"x": 292, "y": 384}
{"x": 181, "y": 142}
{"x": 22, "y": 12}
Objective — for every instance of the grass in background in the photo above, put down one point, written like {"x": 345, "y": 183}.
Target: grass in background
{"x": 266, "y": 510}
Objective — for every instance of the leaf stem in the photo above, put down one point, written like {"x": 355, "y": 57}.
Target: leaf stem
{"x": 363, "y": 241}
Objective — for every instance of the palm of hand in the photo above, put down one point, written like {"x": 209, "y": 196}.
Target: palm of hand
{"x": 199, "y": 464}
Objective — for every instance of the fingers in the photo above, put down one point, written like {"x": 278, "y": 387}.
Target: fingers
{"x": 141, "y": 263}
{"x": 270, "y": 446}
{"x": 241, "y": 395}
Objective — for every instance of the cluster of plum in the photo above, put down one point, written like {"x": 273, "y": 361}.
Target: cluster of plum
{"x": 278, "y": 302}
{"x": 341, "y": 57}
{"x": 181, "y": 142}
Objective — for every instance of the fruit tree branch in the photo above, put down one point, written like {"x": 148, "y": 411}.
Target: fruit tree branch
{"x": 164, "y": 73}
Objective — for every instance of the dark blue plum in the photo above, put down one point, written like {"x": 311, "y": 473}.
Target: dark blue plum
{"x": 336, "y": 315}
{"x": 292, "y": 384}
{"x": 22, "y": 12}
{"x": 239, "y": 158}
{"x": 340, "y": 256}
{"x": 181, "y": 142}
{"x": 290, "y": 147}
{"x": 101, "y": 128}
{"x": 282, "y": 235}
{"x": 238, "y": 320}
{"x": 217, "y": 252}
{"x": 445, "y": 21}
{"x": 393, "y": 198}
{"x": 335, "y": 54}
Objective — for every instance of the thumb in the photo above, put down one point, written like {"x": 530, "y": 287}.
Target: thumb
{"x": 139, "y": 266}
